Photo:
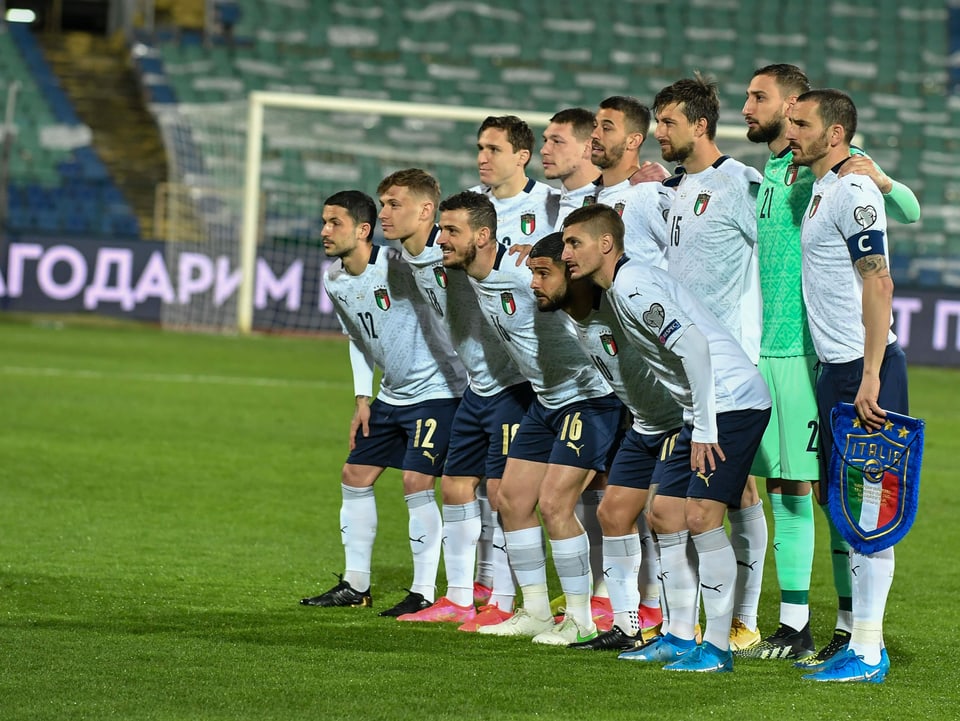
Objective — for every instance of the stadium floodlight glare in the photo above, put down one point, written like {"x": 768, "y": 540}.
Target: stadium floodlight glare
{"x": 20, "y": 15}
{"x": 248, "y": 182}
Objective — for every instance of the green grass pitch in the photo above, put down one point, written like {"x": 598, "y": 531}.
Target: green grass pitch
{"x": 166, "y": 499}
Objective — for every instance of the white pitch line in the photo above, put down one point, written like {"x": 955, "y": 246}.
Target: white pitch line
{"x": 165, "y": 377}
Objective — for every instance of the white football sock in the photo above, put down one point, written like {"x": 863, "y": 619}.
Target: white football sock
{"x": 621, "y": 561}
{"x": 571, "y": 558}
{"x": 589, "y": 502}
{"x": 718, "y": 580}
{"x": 461, "y": 529}
{"x": 649, "y": 576}
{"x": 529, "y": 563}
{"x": 485, "y": 543}
{"x": 358, "y": 529}
{"x": 504, "y": 590}
{"x": 426, "y": 537}
{"x": 872, "y": 578}
{"x": 679, "y": 573}
{"x": 748, "y": 536}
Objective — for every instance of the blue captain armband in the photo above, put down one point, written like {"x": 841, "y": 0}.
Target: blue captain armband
{"x": 867, "y": 242}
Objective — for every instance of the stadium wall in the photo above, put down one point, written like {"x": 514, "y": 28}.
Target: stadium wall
{"x": 135, "y": 280}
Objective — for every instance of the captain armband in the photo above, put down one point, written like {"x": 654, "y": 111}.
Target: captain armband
{"x": 867, "y": 242}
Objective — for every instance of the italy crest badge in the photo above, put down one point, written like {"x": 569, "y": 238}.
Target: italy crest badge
{"x": 874, "y": 480}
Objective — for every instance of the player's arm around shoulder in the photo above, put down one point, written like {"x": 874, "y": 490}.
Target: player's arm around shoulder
{"x": 649, "y": 172}
{"x": 900, "y": 202}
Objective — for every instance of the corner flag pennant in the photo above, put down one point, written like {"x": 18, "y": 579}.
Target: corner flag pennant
{"x": 874, "y": 478}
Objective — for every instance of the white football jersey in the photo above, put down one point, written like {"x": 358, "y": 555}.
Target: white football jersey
{"x": 655, "y": 310}
{"x": 843, "y": 212}
{"x": 448, "y": 292}
{"x": 570, "y": 200}
{"x": 621, "y": 363}
{"x": 382, "y": 312}
{"x": 643, "y": 208}
{"x": 712, "y": 247}
{"x": 543, "y": 345}
{"x": 527, "y": 216}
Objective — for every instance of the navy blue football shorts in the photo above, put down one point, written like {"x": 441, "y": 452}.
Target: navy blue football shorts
{"x": 580, "y": 434}
{"x": 483, "y": 429}
{"x": 839, "y": 382}
{"x": 739, "y": 434}
{"x": 410, "y": 438}
{"x": 642, "y": 459}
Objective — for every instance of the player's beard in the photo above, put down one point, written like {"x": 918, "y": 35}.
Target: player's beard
{"x": 677, "y": 154}
{"x": 766, "y": 133}
{"x": 610, "y": 156}
{"x": 815, "y": 151}
{"x": 469, "y": 256}
{"x": 550, "y": 303}
{"x": 339, "y": 251}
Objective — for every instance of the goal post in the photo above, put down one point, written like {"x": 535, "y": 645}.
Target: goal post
{"x": 248, "y": 181}
{"x": 259, "y": 100}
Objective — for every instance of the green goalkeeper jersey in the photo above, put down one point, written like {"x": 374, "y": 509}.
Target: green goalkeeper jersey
{"x": 782, "y": 200}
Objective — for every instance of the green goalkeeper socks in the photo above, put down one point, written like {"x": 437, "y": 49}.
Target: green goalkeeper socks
{"x": 842, "y": 579}
{"x": 793, "y": 541}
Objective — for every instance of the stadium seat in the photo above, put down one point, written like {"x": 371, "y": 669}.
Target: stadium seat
{"x": 540, "y": 55}
{"x": 54, "y": 183}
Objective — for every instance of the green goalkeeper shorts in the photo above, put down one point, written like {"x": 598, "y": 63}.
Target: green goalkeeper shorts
{"x": 791, "y": 442}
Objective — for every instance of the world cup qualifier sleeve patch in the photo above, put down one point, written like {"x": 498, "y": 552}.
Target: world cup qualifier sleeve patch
{"x": 874, "y": 478}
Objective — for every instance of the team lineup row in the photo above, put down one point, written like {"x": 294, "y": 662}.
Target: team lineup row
{"x": 723, "y": 312}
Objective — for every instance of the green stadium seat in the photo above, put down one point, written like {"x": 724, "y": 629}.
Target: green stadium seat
{"x": 540, "y": 55}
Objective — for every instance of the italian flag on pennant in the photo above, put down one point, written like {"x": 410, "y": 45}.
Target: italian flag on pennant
{"x": 873, "y": 502}
{"x": 873, "y": 482}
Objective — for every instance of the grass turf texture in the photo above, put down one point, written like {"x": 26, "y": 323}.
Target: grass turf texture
{"x": 166, "y": 499}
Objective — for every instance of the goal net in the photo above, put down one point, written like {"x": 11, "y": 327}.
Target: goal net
{"x": 242, "y": 213}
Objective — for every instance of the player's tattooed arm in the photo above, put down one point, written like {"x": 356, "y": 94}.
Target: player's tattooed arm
{"x": 872, "y": 266}
{"x": 877, "y": 305}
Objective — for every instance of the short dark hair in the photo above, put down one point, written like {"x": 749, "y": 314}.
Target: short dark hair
{"x": 835, "y": 108}
{"x": 479, "y": 209}
{"x": 599, "y": 219}
{"x": 417, "y": 180}
{"x": 359, "y": 206}
{"x": 580, "y": 119}
{"x": 697, "y": 97}
{"x": 549, "y": 246}
{"x": 634, "y": 112}
{"x": 519, "y": 134}
{"x": 789, "y": 78}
